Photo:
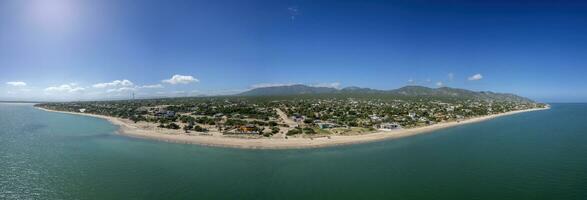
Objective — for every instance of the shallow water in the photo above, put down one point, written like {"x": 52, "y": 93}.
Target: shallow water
{"x": 535, "y": 155}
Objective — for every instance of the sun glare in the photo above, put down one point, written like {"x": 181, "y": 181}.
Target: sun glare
{"x": 55, "y": 16}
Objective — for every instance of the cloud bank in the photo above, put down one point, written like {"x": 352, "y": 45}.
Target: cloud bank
{"x": 180, "y": 79}
{"x": 116, "y": 83}
{"x": 476, "y": 77}
{"x": 70, "y": 88}
{"x": 16, "y": 83}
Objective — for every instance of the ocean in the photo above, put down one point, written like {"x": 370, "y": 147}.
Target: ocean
{"x": 533, "y": 155}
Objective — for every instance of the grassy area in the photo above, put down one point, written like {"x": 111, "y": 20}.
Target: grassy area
{"x": 350, "y": 131}
{"x": 322, "y": 131}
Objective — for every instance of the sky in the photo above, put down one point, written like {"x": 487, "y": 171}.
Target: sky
{"x": 62, "y": 50}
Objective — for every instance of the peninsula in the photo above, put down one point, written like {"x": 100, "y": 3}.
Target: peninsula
{"x": 300, "y": 116}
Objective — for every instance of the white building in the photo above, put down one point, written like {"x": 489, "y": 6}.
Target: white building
{"x": 326, "y": 125}
{"x": 375, "y": 118}
{"x": 412, "y": 115}
{"x": 388, "y": 126}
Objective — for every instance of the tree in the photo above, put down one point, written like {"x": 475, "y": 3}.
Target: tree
{"x": 187, "y": 128}
{"x": 294, "y": 131}
{"x": 187, "y": 119}
{"x": 309, "y": 131}
{"x": 173, "y": 126}
{"x": 260, "y": 130}
{"x": 198, "y": 128}
{"x": 274, "y": 129}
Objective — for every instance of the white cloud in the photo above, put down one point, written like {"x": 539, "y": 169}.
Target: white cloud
{"x": 451, "y": 76}
{"x": 64, "y": 88}
{"x": 122, "y": 89}
{"x": 411, "y": 81}
{"x": 476, "y": 77}
{"x": 152, "y": 86}
{"x": 16, "y": 83}
{"x": 439, "y": 84}
{"x": 329, "y": 85}
{"x": 180, "y": 79}
{"x": 116, "y": 83}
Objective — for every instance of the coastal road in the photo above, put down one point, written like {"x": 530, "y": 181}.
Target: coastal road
{"x": 285, "y": 119}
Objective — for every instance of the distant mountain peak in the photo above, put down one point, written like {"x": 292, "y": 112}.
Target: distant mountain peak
{"x": 410, "y": 90}
{"x": 352, "y": 88}
{"x": 295, "y": 89}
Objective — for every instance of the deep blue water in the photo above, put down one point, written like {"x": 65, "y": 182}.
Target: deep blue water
{"x": 535, "y": 155}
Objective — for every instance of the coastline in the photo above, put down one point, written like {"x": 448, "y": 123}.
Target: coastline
{"x": 128, "y": 128}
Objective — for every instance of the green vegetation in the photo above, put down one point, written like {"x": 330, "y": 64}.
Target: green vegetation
{"x": 308, "y": 130}
{"x": 274, "y": 129}
{"x": 294, "y": 131}
{"x": 355, "y": 111}
{"x": 169, "y": 126}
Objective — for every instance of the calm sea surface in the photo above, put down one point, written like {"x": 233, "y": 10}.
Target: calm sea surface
{"x": 537, "y": 155}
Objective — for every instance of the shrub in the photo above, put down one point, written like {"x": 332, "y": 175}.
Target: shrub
{"x": 309, "y": 131}
{"x": 173, "y": 126}
{"x": 293, "y": 131}
{"x": 272, "y": 123}
{"x": 200, "y": 129}
{"x": 186, "y": 128}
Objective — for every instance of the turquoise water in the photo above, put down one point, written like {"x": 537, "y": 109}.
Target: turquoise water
{"x": 537, "y": 155}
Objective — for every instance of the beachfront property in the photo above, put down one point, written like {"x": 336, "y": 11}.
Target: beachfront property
{"x": 326, "y": 125}
{"x": 388, "y": 126}
{"x": 300, "y": 116}
{"x": 248, "y": 129}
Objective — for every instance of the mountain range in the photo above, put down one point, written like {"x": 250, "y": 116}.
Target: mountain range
{"x": 407, "y": 91}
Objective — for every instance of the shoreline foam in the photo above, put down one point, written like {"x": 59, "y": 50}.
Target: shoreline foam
{"x": 127, "y": 128}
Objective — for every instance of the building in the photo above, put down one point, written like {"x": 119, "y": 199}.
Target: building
{"x": 166, "y": 114}
{"x": 325, "y": 125}
{"x": 450, "y": 109}
{"x": 249, "y": 128}
{"x": 388, "y": 126}
{"x": 375, "y": 118}
{"x": 412, "y": 115}
{"x": 298, "y": 118}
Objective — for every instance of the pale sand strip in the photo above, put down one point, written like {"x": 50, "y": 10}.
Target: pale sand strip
{"x": 128, "y": 128}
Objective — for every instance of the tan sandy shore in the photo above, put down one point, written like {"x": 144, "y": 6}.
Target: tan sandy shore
{"x": 129, "y": 128}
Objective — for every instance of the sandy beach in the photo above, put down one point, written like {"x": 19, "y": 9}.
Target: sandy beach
{"x": 128, "y": 128}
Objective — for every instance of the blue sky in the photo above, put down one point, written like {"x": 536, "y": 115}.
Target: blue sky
{"x": 105, "y": 49}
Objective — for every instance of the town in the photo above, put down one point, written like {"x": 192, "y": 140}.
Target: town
{"x": 299, "y": 116}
